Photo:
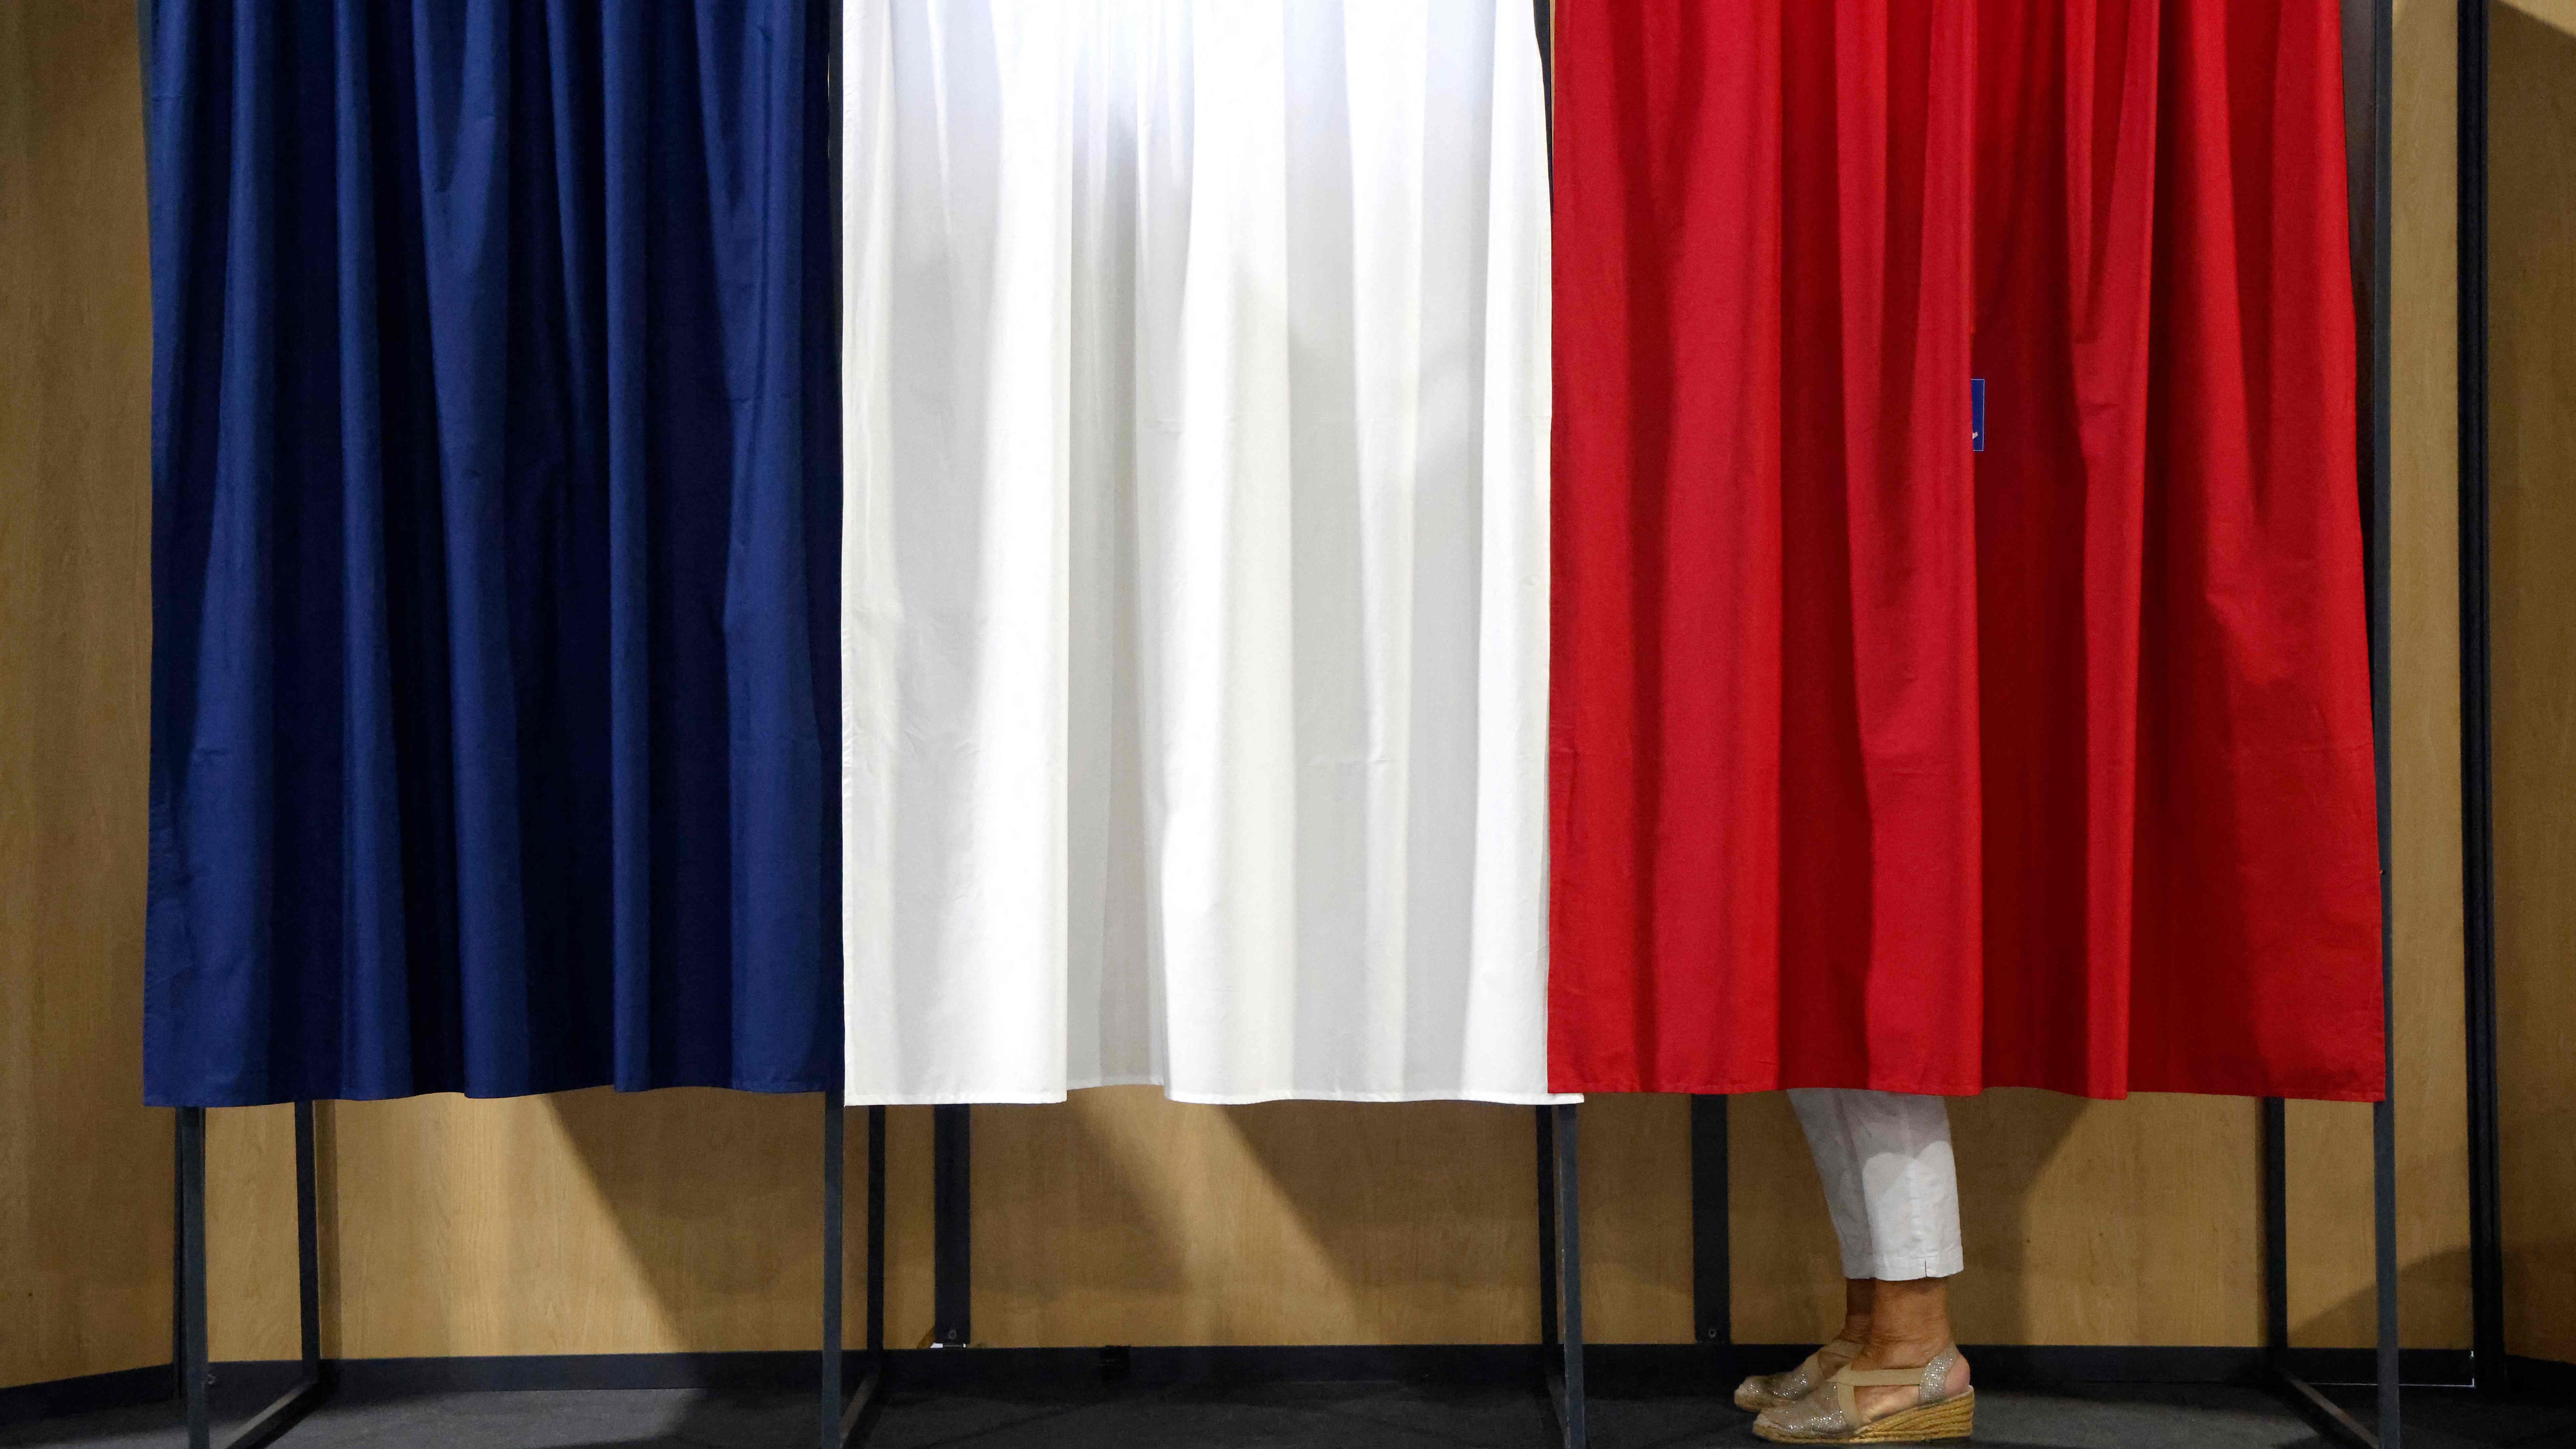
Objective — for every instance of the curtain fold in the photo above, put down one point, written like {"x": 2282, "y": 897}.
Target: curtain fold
{"x": 1195, "y": 398}
{"x": 1877, "y": 762}
{"x": 494, "y": 592}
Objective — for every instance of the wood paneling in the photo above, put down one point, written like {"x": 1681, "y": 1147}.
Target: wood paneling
{"x": 591, "y": 1222}
{"x": 597, "y": 1223}
{"x": 1121, "y": 1217}
{"x": 2086, "y": 1222}
{"x": 84, "y": 1168}
{"x": 2531, "y": 229}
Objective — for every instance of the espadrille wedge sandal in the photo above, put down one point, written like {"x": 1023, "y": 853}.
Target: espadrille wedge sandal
{"x": 1832, "y": 1415}
{"x": 1762, "y": 1391}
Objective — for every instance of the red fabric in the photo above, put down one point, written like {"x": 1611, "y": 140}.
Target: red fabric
{"x": 1880, "y": 763}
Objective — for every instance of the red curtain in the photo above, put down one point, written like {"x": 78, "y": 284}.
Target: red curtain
{"x": 1880, "y": 762}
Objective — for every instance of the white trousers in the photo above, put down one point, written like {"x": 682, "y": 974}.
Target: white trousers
{"x": 1890, "y": 1182}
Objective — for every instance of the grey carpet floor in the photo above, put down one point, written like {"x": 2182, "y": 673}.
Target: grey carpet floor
{"x": 1344, "y": 1416}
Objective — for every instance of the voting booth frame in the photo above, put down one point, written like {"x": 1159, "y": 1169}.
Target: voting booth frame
{"x": 846, "y": 1411}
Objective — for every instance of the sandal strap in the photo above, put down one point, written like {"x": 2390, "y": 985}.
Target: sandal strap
{"x": 1882, "y": 1378}
{"x": 1813, "y": 1365}
{"x": 1848, "y": 1379}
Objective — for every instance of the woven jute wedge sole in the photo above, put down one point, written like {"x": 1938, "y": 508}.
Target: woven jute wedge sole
{"x": 1931, "y": 1423}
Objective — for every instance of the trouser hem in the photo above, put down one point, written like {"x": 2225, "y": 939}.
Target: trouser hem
{"x": 1908, "y": 1270}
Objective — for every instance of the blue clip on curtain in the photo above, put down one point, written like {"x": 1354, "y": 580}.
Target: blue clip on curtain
{"x": 494, "y": 556}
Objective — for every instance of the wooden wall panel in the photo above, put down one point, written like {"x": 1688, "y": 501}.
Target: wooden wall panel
{"x": 591, "y": 1222}
{"x": 597, "y": 1223}
{"x": 1637, "y": 1259}
{"x": 1122, "y": 1217}
{"x": 84, "y": 1168}
{"x": 2531, "y": 259}
{"x": 2130, "y": 1222}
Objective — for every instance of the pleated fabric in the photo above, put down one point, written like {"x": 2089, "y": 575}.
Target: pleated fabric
{"x": 1879, "y": 762}
{"x": 1195, "y": 549}
{"x": 493, "y": 573}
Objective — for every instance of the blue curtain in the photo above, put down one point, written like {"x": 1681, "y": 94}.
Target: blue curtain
{"x": 494, "y": 558}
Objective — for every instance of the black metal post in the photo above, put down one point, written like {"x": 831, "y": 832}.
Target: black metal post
{"x": 2383, "y": 1116}
{"x": 876, "y": 1233}
{"x": 1565, "y": 1377}
{"x": 2477, "y": 727}
{"x": 308, "y": 1246}
{"x": 2369, "y": 30}
{"x": 952, "y": 1227}
{"x": 1546, "y": 1228}
{"x": 834, "y": 1224}
{"x": 1712, "y": 1265}
{"x": 316, "y": 1382}
{"x": 2276, "y": 1235}
{"x": 844, "y": 1420}
{"x": 192, "y": 1276}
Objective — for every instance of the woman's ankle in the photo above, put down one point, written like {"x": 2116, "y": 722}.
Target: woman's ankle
{"x": 1889, "y": 1351}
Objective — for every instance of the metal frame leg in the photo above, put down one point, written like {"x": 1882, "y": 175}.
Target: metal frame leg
{"x": 952, "y": 1216}
{"x": 1560, "y": 1268}
{"x": 192, "y": 1276}
{"x": 1712, "y": 1260}
{"x": 2372, "y": 276}
{"x": 2489, "y": 1361}
{"x": 317, "y": 1381}
{"x": 845, "y": 1422}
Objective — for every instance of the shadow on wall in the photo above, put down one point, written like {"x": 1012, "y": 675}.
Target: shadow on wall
{"x": 589, "y": 1222}
{"x": 1410, "y": 1222}
{"x": 718, "y": 1195}
{"x": 1123, "y": 1217}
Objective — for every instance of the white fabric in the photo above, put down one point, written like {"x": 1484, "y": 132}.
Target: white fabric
{"x": 1195, "y": 397}
{"x": 1890, "y": 1181}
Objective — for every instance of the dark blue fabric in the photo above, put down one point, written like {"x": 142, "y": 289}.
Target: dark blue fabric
{"x": 495, "y": 549}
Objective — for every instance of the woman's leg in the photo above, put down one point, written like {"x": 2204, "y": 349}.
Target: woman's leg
{"x": 1838, "y": 1168}
{"x": 1900, "y": 1146}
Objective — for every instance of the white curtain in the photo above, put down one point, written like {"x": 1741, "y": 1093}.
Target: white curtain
{"x": 1194, "y": 648}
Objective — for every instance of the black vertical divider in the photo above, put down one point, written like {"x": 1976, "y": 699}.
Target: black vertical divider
{"x": 2276, "y": 1235}
{"x": 952, "y": 1215}
{"x": 1547, "y": 1325}
{"x": 1561, "y": 1269}
{"x": 2383, "y": 1115}
{"x": 835, "y": 1150}
{"x": 842, "y": 1419}
{"x": 308, "y": 1246}
{"x": 1560, "y": 1176}
{"x": 2370, "y": 40}
{"x": 191, "y": 1327}
{"x": 1712, "y": 1262}
{"x": 2477, "y": 723}
{"x": 876, "y": 1231}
